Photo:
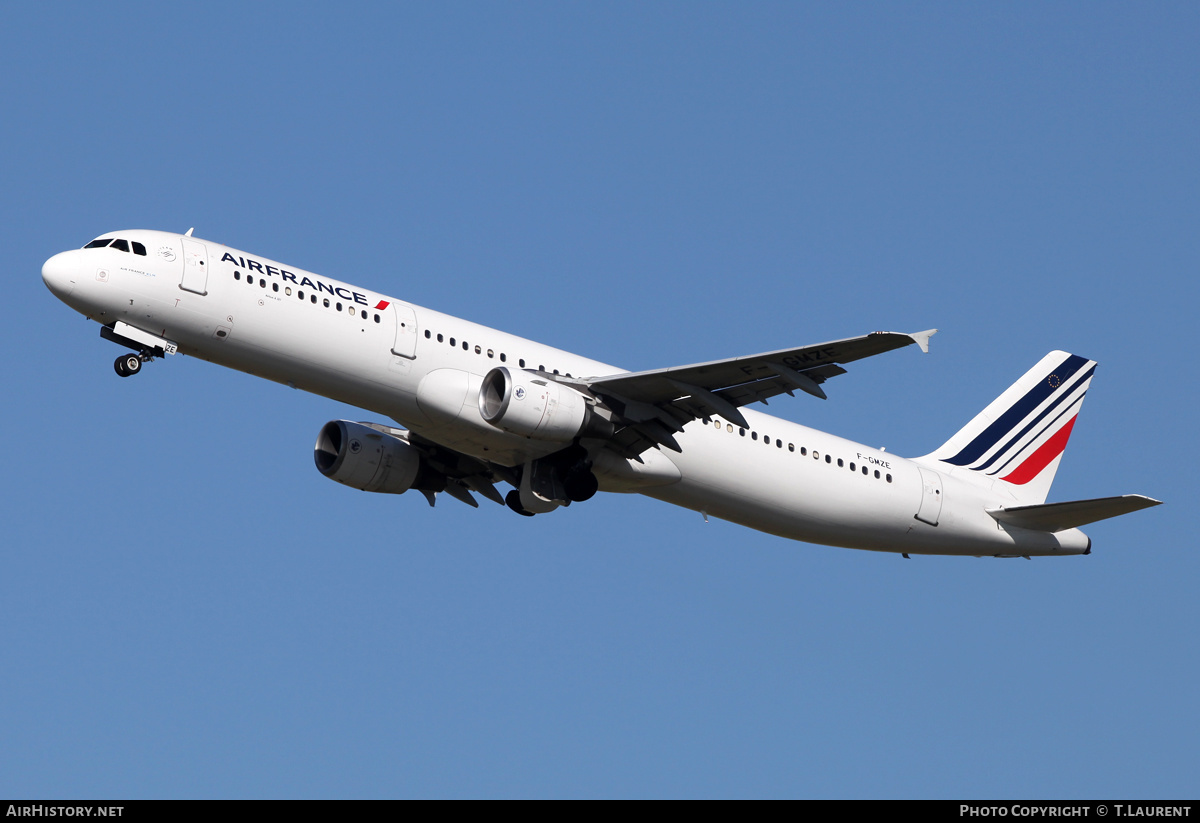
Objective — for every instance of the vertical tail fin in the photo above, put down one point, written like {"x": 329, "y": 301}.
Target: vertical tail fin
{"x": 1019, "y": 439}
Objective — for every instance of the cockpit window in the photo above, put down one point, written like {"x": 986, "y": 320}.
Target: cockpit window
{"x": 122, "y": 245}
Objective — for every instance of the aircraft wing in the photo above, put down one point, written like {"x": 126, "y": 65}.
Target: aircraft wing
{"x": 463, "y": 473}
{"x": 654, "y": 405}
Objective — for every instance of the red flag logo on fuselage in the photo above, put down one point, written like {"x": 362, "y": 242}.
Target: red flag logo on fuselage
{"x": 383, "y": 304}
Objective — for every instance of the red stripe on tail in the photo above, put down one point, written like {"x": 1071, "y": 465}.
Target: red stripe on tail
{"x": 1041, "y": 458}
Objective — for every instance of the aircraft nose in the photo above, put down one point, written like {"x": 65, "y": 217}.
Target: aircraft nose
{"x": 59, "y": 275}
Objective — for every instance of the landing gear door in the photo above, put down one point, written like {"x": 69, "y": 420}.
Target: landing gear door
{"x": 406, "y": 331}
{"x": 931, "y": 497}
{"x": 195, "y": 267}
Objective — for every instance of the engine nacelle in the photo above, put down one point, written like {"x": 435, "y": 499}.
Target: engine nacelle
{"x": 523, "y": 403}
{"x": 364, "y": 458}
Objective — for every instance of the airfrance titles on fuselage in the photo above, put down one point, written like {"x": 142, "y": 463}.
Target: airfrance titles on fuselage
{"x": 250, "y": 264}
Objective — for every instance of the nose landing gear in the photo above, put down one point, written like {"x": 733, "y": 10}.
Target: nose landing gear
{"x": 145, "y": 347}
{"x": 128, "y": 364}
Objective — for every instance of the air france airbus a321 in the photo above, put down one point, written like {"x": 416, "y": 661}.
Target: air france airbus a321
{"x": 479, "y": 406}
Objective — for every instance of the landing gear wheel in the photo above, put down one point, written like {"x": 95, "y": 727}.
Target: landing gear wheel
{"x": 128, "y": 364}
{"x": 581, "y": 485}
{"x": 513, "y": 500}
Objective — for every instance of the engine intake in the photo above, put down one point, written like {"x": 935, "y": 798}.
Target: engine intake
{"x": 364, "y": 458}
{"x": 522, "y": 403}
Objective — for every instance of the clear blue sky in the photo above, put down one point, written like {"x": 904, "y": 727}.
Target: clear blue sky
{"x": 187, "y": 608}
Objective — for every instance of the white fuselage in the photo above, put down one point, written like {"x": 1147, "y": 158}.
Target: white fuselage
{"x": 423, "y": 369}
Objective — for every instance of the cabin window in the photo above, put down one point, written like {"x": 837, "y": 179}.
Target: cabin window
{"x": 828, "y": 459}
{"x": 852, "y": 467}
{"x": 877, "y": 474}
{"x": 728, "y": 427}
{"x": 779, "y": 444}
{"x": 841, "y": 464}
{"x": 478, "y": 350}
{"x": 275, "y": 287}
{"x": 427, "y": 334}
{"x": 237, "y": 275}
{"x": 440, "y": 338}
{"x": 503, "y": 357}
{"x": 889, "y": 478}
{"x": 753, "y": 435}
{"x": 864, "y": 471}
{"x": 288, "y": 291}
{"x": 451, "y": 341}
{"x": 377, "y": 318}
{"x": 491, "y": 353}
{"x": 521, "y": 362}
{"x": 326, "y": 302}
{"x": 803, "y": 451}
{"x": 312, "y": 299}
{"x": 351, "y": 310}
{"x": 262, "y": 283}
{"x": 465, "y": 345}
{"x": 791, "y": 447}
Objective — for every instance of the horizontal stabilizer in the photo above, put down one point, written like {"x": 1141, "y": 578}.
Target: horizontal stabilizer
{"x": 1056, "y": 517}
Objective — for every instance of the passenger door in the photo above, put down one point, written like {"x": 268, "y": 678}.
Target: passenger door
{"x": 195, "y": 267}
{"x": 931, "y": 497}
{"x": 405, "y": 344}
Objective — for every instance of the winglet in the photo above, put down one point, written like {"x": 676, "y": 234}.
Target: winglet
{"x": 921, "y": 338}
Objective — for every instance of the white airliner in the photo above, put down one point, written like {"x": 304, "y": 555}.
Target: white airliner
{"x": 480, "y": 406}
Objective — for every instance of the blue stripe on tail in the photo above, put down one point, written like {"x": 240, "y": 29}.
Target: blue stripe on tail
{"x": 1045, "y": 412}
{"x": 990, "y": 436}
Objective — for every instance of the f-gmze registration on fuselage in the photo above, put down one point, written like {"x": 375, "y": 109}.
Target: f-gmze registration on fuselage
{"x": 480, "y": 407}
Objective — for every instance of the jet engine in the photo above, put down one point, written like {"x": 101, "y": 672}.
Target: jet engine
{"x": 521, "y": 402}
{"x": 364, "y": 458}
